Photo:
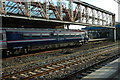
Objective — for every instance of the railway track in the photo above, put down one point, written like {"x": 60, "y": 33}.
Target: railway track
{"x": 55, "y": 52}
{"x": 19, "y": 63}
{"x": 84, "y": 60}
{"x": 89, "y": 69}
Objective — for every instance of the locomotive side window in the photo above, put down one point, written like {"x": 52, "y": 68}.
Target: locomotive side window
{"x": 73, "y": 35}
{"x": 27, "y": 36}
{"x": 78, "y": 35}
{"x": 83, "y": 35}
{"x": 45, "y": 35}
{"x": 67, "y": 35}
{"x": 61, "y": 35}
{"x": 31, "y": 36}
{"x": 55, "y": 35}
{"x": 35, "y": 36}
{"x": 1, "y": 36}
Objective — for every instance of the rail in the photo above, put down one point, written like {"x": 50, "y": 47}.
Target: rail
{"x": 83, "y": 59}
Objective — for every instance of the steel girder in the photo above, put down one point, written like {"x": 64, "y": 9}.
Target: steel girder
{"x": 63, "y": 11}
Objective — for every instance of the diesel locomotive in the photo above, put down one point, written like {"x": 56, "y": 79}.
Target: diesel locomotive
{"x": 23, "y": 40}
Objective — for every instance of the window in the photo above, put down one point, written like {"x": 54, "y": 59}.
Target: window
{"x": 60, "y": 35}
{"x": 26, "y": 36}
{"x": 1, "y": 36}
{"x": 35, "y": 36}
{"x": 73, "y": 35}
{"x": 45, "y": 35}
{"x": 55, "y": 35}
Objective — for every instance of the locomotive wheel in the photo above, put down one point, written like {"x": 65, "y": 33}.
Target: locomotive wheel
{"x": 17, "y": 51}
{"x": 8, "y": 53}
{"x": 26, "y": 50}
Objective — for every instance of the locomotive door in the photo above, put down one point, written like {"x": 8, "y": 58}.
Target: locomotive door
{"x": 4, "y": 39}
{"x": 0, "y": 39}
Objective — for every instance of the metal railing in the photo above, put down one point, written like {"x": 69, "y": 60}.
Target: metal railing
{"x": 62, "y": 11}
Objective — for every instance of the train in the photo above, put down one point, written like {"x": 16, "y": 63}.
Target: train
{"x": 24, "y": 40}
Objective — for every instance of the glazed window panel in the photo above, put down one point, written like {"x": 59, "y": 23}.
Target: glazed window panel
{"x": 36, "y": 36}
{"x": 45, "y": 35}
{"x": 73, "y": 35}
{"x": 60, "y": 34}
{"x": 67, "y": 35}
{"x": 55, "y": 35}
{"x": 26, "y": 36}
{"x": 1, "y": 36}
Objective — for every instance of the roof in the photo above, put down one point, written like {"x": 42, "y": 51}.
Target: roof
{"x": 94, "y": 28}
{"x": 117, "y": 24}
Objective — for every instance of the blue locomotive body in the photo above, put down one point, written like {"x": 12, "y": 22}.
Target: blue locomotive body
{"x": 26, "y": 38}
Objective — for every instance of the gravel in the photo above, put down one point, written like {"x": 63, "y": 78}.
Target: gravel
{"x": 28, "y": 62}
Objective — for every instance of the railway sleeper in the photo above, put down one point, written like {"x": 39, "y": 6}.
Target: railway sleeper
{"x": 37, "y": 70}
{"x": 24, "y": 75}
{"x": 45, "y": 69}
{"x": 86, "y": 63}
{"x": 14, "y": 77}
{"x": 50, "y": 67}
{"x": 32, "y": 72}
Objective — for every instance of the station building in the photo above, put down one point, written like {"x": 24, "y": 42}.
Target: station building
{"x": 97, "y": 32}
{"x": 102, "y": 32}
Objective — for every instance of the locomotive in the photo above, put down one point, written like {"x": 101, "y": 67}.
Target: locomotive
{"x": 23, "y": 40}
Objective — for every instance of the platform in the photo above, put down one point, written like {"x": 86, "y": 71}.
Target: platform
{"x": 111, "y": 71}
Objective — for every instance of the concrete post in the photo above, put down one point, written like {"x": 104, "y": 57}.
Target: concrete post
{"x": 119, "y": 12}
{"x": 113, "y": 20}
{"x": 112, "y": 34}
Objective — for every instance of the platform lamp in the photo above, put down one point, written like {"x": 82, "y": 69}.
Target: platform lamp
{"x": 118, "y": 1}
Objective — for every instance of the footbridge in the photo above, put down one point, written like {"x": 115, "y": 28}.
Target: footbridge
{"x": 57, "y": 11}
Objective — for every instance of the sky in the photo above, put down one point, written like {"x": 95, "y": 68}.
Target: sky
{"x": 109, "y": 5}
